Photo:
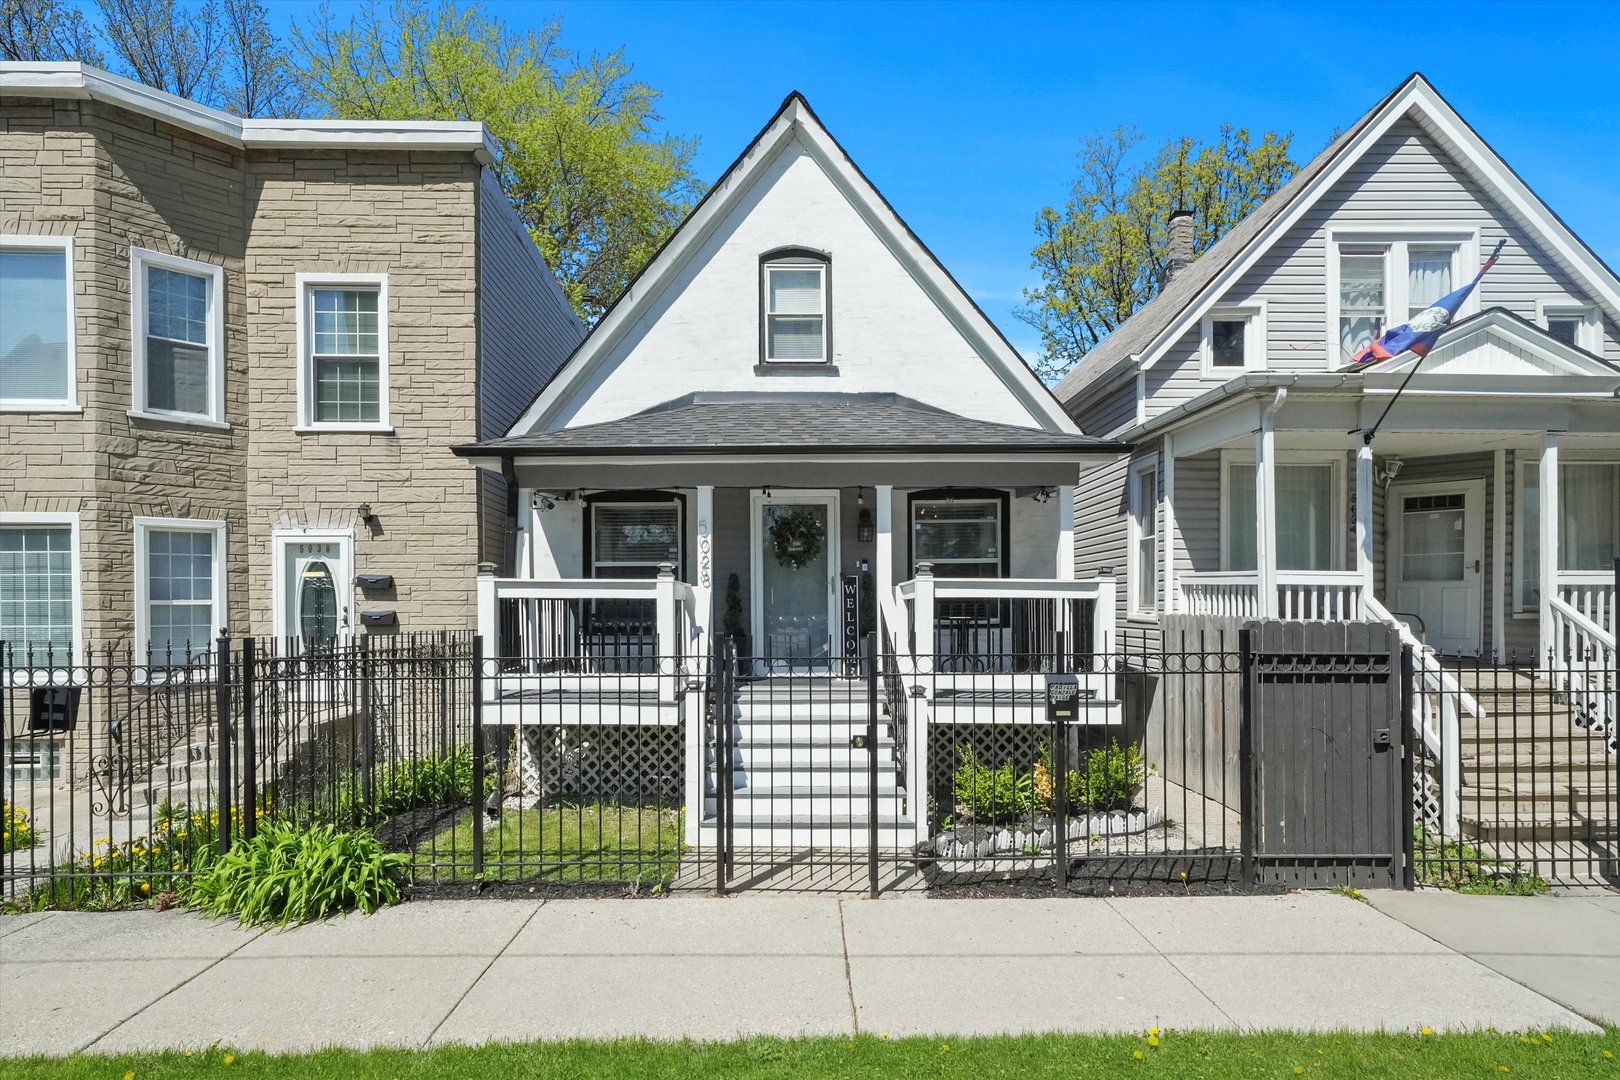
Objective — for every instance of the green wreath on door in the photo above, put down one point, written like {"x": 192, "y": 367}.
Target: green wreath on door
{"x": 797, "y": 537}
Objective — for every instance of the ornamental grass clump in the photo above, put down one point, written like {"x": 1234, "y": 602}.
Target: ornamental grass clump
{"x": 290, "y": 875}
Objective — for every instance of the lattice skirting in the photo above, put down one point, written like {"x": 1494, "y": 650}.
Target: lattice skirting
{"x": 593, "y": 762}
{"x": 992, "y": 744}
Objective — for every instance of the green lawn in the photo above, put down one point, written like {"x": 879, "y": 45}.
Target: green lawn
{"x": 599, "y": 841}
{"x": 1364, "y": 1057}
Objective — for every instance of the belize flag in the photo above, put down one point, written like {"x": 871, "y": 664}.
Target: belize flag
{"x": 1423, "y": 331}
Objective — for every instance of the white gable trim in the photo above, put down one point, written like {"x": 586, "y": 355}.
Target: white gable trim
{"x": 796, "y": 119}
{"x": 1421, "y": 100}
{"x": 1500, "y": 326}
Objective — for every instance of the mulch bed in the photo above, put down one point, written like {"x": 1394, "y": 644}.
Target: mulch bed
{"x": 1133, "y": 875}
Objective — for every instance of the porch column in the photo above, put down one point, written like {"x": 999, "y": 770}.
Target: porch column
{"x": 1065, "y": 542}
{"x": 883, "y": 557}
{"x": 1265, "y": 507}
{"x": 703, "y": 586}
{"x": 1549, "y": 541}
{"x": 1499, "y": 572}
{"x": 1167, "y": 523}
{"x": 1364, "y": 516}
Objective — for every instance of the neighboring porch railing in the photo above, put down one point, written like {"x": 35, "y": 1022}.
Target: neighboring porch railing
{"x": 591, "y": 627}
{"x": 1308, "y": 595}
{"x": 1004, "y": 625}
{"x": 1591, "y": 594}
{"x": 1582, "y": 665}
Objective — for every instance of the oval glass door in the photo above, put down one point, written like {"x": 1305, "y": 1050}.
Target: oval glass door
{"x": 317, "y": 603}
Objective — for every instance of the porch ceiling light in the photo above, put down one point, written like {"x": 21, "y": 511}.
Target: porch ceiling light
{"x": 1042, "y": 494}
{"x": 543, "y": 502}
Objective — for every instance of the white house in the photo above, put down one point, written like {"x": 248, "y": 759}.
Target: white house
{"x": 1484, "y": 515}
{"x": 794, "y": 406}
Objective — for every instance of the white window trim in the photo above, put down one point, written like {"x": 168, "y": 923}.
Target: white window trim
{"x": 1341, "y": 496}
{"x": 1133, "y": 522}
{"x": 821, "y": 272}
{"x": 1254, "y": 338}
{"x": 304, "y": 285}
{"x": 143, "y": 528}
{"x": 72, "y": 522}
{"x": 71, "y": 402}
{"x": 139, "y": 260}
{"x": 1589, "y": 335}
{"x": 1398, "y": 240}
{"x": 1530, "y": 461}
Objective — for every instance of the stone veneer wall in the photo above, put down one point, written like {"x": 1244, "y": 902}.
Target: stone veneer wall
{"x": 113, "y": 180}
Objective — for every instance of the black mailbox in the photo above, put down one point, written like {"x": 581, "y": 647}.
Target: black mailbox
{"x": 375, "y": 581}
{"x": 1062, "y": 699}
{"x": 379, "y": 618}
{"x": 52, "y": 708}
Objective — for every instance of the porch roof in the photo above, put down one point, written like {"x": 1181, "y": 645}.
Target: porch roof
{"x": 755, "y": 423}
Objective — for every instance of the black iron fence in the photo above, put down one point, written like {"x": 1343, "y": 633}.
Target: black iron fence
{"x": 1209, "y": 758}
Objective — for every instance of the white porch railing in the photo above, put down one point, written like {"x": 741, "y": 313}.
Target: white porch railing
{"x": 627, "y": 632}
{"x": 1582, "y": 665}
{"x": 1005, "y": 625}
{"x": 1591, "y": 594}
{"x": 1308, "y": 595}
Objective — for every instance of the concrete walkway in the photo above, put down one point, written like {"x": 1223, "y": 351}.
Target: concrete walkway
{"x": 438, "y": 972}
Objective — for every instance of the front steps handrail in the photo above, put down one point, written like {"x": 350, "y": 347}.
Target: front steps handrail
{"x": 1582, "y": 665}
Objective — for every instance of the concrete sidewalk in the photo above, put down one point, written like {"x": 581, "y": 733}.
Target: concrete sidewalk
{"x": 436, "y": 972}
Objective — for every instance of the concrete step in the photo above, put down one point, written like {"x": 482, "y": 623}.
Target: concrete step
{"x": 761, "y": 833}
{"x": 1507, "y": 829}
{"x": 834, "y": 755}
{"x": 814, "y": 807}
{"x": 767, "y": 778}
{"x": 766, "y": 729}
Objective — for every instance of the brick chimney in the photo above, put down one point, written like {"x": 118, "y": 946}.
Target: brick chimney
{"x": 1181, "y": 243}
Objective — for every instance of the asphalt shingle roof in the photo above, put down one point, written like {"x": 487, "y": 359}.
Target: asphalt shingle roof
{"x": 780, "y": 423}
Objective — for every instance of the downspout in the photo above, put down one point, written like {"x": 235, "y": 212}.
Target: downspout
{"x": 509, "y": 555}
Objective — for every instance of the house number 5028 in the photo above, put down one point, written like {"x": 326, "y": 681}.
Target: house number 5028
{"x": 703, "y": 553}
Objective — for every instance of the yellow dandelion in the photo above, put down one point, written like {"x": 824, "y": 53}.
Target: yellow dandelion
{"x": 1608, "y": 1055}
{"x": 1153, "y": 1031}
{"x": 145, "y": 887}
{"x": 130, "y": 1075}
{"x": 188, "y": 1053}
{"x": 1546, "y": 1036}
{"x": 1137, "y": 1054}
{"x": 1153, "y": 1040}
{"x": 1428, "y": 1031}
{"x": 946, "y": 1048}
{"x": 230, "y": 1059}
{"x": 1503, "y": 1068}
{"x": 1299, "y": 1070}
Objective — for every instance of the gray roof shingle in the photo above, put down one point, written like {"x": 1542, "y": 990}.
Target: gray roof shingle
{"x": 783, "y": 423}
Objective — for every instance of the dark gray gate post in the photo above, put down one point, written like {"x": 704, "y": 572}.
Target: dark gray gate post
{"x": 1409, "y": 748}
{"x": 477, "y": 683}
{"x": 1248, "y": 815}
{"x": 250, "y": 749}
{"x": 222, "y": 727}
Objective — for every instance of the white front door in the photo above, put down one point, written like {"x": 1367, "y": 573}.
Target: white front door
{"x": 795, "y": 561}
{"x": 313, "y": 589}
{"x": 1436, "y": 561}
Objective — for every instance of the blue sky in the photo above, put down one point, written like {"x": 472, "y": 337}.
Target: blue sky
{"x": 968, "y": 115}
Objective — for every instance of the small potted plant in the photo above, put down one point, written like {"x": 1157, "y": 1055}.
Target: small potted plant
{"x": 731, "y": 623}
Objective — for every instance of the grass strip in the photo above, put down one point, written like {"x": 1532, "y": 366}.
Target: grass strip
{"x": 1215, "y": 1056}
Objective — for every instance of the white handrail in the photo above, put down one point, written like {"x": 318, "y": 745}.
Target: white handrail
{"x": 1582, "y": 664}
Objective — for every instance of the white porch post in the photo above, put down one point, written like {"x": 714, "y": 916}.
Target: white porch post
{"x": 667, "y": 628}
{"x": 487, "y": 623}
{"x": 1167, "y": 524}
{"x": 1549, "y": 542}
{"x": 1265, "y": 508}
{"x": 1499, "y": 573}
{"x": 703, "y": 586}
{"x": 1065, "y": 541}
{"x": 883, "y": 557}
{"x": 923, "y": 617}
{"x": 1364, "y": 517}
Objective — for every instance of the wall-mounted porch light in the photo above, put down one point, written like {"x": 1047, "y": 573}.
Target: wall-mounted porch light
{"x": 1042, "y": 494}
{"x": 366, "y": 516}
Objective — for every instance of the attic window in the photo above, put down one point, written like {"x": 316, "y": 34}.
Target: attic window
{"x": 1574, "y": 324}
{"x": 795, "y": 308}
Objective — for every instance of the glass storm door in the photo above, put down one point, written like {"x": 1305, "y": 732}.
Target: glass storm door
{"x": 795, "y": 550}
{"x": 1436, "y": 569}
{"x": 315, "y": 594}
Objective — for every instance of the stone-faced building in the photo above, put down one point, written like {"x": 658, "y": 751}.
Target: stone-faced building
{"x": 234, "y": 354}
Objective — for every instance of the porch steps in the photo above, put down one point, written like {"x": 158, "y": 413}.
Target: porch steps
{"x": 798, "y": 781}
{"x": 1529, "y": 773}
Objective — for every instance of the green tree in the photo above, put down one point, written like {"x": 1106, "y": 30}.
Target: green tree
{"x": 1106, "y": 254}
{"x": 46, "y": 30}
{"x": 578, "y": 153}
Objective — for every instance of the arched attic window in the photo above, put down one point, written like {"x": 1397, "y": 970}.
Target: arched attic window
{"x": 795, "y": 306}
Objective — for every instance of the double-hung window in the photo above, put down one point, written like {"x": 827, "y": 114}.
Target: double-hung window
{"x": 343, "y": 326}
{"x": 36, "y": 323}
{"x": 1385, "y": 283}
{"x": 795, "y": 308}
{"x": 39, "y": 610}
{"x": 1588, "y": 525}
{"x": 179, "y": 333}
{"x": 1144, "y": 565}
{"x": 630, "y": 539}
{"x": 179, "y": 585}
{"x": 1308, "y": 514}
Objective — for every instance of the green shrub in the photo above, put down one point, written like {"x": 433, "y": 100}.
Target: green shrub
{"x": 1460, "y": 867}
{"x": 1107, "y": 779}
{"x": 286, "y": 874}
{"x": 991, "y": 792}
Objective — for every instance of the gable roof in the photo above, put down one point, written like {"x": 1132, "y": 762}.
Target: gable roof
{"x": 795, "y": 119}
{"x": 792, "y": 423}
{"x": 1540, "y": 350}
{"x": 1150, "y": 331}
